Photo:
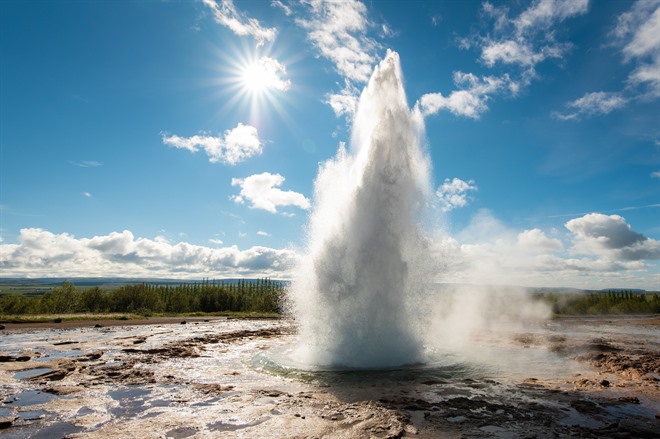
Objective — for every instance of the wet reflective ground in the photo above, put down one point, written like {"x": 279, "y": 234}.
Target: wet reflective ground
{"x": 595, "y": 377}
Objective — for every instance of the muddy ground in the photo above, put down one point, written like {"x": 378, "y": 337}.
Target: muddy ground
{"x": 569, "y": 377}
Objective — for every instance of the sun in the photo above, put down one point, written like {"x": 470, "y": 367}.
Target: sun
{"x": 264, "y": 75}
{"x": 255, "y": 79}
{"x": 256, "y": 82}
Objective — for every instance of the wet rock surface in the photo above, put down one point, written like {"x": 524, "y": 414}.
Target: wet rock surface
{"x": 201, "y": 380}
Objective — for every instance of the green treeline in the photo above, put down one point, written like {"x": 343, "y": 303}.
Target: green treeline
{"x": 263, "y": 295}
{"x": 610, "y": 302}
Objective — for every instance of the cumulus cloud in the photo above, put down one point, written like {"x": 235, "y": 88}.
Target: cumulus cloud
{"x": 226, "y": 14}
{"x": 234, "y": 146}
{"x": 595, "y": 251}
{"x": 262, "y": 192}
{"x": 590, "y": 104}
{"x": 610, "y": 237}
{"x": 454, "y": 193}
{"x": 42, "y": 253}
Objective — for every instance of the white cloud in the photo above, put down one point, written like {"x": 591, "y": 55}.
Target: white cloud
{"x": 637, "y": 34}
{"x": 216, "y": 241}
{"x": 87, "y": 194}
{"x": 637, "y": 31}
{"x": 226, "y": 14}
{"x": 42, "y": 253}
{"x": 279, "y": 4}
{"x": 263, "y": 192}
{"x": 544, "y": 13}
{"x": 655, "y": 174}
{"x": 267, "y": 72}
{"x": 598, "y": 251}
{"x": 610, "y": 237}
{"x": 262, "y": 233}
{"x": 345, "y": 102}
{"x": 234, "y": 146}
{"x": 527, "y": 39}
{"x": 454, "y": 193}
{"x": 519, "y": 42}
{"x": 470, "y": 99}
{"x": 338, "y": 30}
{"x": 590, "y": 104}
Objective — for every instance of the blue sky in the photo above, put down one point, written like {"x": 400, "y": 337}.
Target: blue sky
{"x": 182, "y": 139}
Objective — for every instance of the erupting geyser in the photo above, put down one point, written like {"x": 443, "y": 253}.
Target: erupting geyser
{"x": 356, "y": 294}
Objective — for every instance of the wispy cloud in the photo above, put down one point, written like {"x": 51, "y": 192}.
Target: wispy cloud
{"x": 284, "y": 7}
{"x": 262, "y": 192}
{"x": 527, "y": 39}
{"x": 454, "y": 193}
{"x": 636, "y": 35}
{"x": 86, "y": 163}
{"x": 655, "y": 174}
{"x": 471, "y": 98}
{"x": 42, "y": 253}
{"x": 262, "y": 233}
{"x": 87, "y": 194}
{"x": 339, "y": 31}
{"x": 596, "y": 103}
{"x": 638, "y": 32}
{"x": 226, "y": 14}
{"x": 516, "y": 43}
{"x": 234, "y": 146}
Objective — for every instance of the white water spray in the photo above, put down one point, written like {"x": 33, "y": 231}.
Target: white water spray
{"x": 356, "y": 293}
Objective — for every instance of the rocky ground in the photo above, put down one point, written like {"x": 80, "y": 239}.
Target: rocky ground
{"x": 202, "y": 379}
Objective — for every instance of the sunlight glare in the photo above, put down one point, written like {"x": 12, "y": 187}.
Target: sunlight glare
{"x": 263, "y": 75}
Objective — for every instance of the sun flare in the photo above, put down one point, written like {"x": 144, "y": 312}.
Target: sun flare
{"x": 264, "y": 74}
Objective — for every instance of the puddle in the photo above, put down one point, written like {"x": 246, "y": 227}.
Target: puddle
{"x": 58, "y": 430}
{"x": 181, "y": 432}
{"x": 30, "y": 373}
{"x": 51, "y": 355}
{"x": 223, "y": 426}
{"x": 31, "y": 397}
{"x": 131, "y": 401}
{"x": 32, "y": 415}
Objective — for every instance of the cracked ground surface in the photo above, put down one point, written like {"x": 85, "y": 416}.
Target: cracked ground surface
{"x": 598, "y": 377}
